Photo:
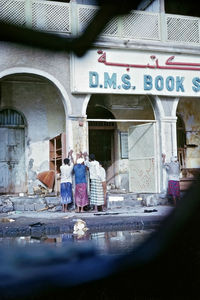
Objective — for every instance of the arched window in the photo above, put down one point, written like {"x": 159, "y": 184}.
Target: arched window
{"x": 99, "y": 112}
{"x": 10, "y": 117}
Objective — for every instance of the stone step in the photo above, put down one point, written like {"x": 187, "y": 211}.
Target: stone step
{"x": 114, "y": 199}
{"x": 27, "y": 203}
{"x": 133, "y": 199}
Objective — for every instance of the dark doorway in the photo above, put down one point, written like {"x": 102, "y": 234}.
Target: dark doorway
{"x": 101, "y": 134}
{"x": 100, "y": 143}
{"x": 181, "y": 141}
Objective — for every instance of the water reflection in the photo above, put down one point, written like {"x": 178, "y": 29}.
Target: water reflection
{"x": 111, "y": 242}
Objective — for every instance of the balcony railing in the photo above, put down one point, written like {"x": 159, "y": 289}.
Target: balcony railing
{"x": 72, "y": 18}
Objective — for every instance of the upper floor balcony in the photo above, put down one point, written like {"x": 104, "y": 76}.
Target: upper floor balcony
{"x": 72, "y": 19}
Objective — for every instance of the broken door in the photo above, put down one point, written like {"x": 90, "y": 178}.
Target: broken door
{"x": 142, "y": 158}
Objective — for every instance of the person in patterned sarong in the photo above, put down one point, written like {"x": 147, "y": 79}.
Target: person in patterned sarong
{"x": 81, "y": 195}
{"x": 173, "y": 170}
{"x": 66, "y": 181}
{"x": 96, "y": 188}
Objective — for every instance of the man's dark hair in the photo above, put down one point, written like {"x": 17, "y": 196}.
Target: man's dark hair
{"x": 92, "y": 156}
{"x": 66, "y": 161}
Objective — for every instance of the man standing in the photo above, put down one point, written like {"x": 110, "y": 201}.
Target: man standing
{"x": 96, "y": 188}
{"x": 81, "y": 196}
{"x": 173, "y": 170}
{"x": 66, "y": 181}
{"x": 103, "y": 181}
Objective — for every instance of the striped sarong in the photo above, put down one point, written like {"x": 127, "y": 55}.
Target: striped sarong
{"x": 96, "y": 192}
{"x": 174, "y": 188}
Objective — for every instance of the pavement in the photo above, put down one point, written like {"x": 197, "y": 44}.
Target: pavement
{"x": 18, "y": 223}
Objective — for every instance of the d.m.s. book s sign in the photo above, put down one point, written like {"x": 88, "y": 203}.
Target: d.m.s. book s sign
{"x": 136, "y": 72}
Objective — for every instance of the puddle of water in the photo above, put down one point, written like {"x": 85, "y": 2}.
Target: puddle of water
{"x": 112, "y": 242}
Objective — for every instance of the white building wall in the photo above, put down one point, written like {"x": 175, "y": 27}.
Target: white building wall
{"x": 42, "y": 107}
{"x": 56, "y": 68}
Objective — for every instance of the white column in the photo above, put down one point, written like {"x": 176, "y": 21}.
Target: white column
{"x": 168, "y": 144}
{"x": 168, "y": 136}
{"x": 165, "y": 114}
{"x": 77, "y": 132}
{"x": 69, "y": 135}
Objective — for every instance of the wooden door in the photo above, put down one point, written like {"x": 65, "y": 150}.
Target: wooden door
{"x": 142, "y": 158}
{"x": 12, "y": 166}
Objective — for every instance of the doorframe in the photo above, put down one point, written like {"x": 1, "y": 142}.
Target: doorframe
{"x": 155, "y": 156}
{"x": 107, "y": 128}
{"x": 25, "y": 128}
{"x": 128, "y": 121}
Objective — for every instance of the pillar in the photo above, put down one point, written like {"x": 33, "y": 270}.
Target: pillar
{"x": 77, "y": 130}
{"x": 165, "y": 114}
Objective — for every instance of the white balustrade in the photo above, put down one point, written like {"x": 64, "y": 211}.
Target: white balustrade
{"x": 72, "y": 18}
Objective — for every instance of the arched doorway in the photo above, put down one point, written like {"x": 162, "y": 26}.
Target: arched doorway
{"x": 101, "y": 137}
{"x": 12, "y": 156}
{"x": 41, "y": 103}
{"x": 115, "y": 115}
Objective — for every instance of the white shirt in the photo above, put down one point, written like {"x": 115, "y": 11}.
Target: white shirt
{"x": 66, "y": 173}
{"x": 102, "y": 174}
{"x": 173, "y": 170}
{"x": 94, "y": 169}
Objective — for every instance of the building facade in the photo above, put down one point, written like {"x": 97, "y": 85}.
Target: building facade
{"x": 132, "y": 97}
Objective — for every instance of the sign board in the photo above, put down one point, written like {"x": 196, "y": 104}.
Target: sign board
{"x": 115, "y": 71}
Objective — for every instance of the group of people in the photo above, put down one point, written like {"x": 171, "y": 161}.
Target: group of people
{"x": 97, "y": 177}
{"x": 79, "y": 168}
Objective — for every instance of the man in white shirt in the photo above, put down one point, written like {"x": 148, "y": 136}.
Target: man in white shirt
{"x": 66, "y": 182}
{"x": 173, "y": 170}
{"x": 96, "y": 188}
{"x": 103, "y": 181}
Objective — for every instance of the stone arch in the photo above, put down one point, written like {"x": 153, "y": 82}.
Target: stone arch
{"x": 85, "y": 105}
{"x": 46, "y": 75}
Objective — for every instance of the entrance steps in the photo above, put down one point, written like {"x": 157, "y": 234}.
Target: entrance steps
{"x": 28, "y": 203}
{"x": 115, "y": 198}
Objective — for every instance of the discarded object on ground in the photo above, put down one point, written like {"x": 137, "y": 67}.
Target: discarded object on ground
{"x": 80, "y": 227}
{"x": 106, "y": 213}
{"x": 7, "y": 220}
{"x": 46, "y": 208}
{"x": 139, "y": 198}
{"x": 38, "y": 224}
{"x": 150, "y": 210}
{"x": 38, "y": 190}
{"x": 47, "y": 178}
